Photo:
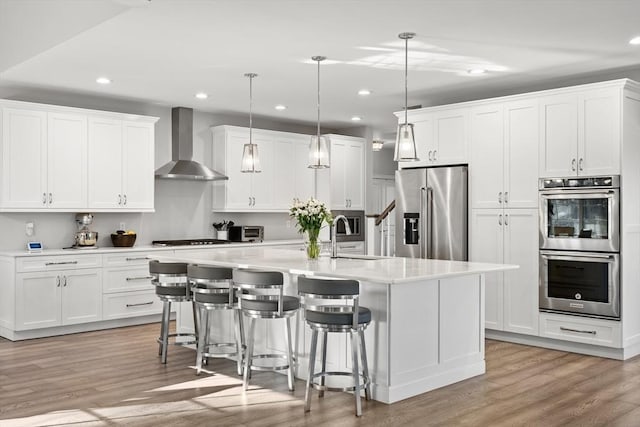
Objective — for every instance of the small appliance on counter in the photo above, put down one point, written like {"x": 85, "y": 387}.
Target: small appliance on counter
{"x": 85, "y": 238}
{"x": 246, "y": 233}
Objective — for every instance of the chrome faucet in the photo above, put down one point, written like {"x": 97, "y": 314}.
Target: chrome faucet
{"x": 334, "y": 233}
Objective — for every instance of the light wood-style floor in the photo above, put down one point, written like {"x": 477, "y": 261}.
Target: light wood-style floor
{"x": 114, "y": 377}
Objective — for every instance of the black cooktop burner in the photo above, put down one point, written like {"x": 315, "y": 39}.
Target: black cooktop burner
{"x": 189, "y": 242}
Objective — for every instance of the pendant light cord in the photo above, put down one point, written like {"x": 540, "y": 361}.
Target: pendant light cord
{"x": 406, "y": 73}
{"x": 318, "y": 131}
{"x": 251, "y": 109}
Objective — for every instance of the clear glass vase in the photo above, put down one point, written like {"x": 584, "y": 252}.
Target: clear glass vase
{"x": 312, "y": 244}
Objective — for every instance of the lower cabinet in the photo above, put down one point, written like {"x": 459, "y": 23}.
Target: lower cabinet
{"x": 508, "y": 236}
{"x": 67, "y": 297}
{"x": 586, "y": 330}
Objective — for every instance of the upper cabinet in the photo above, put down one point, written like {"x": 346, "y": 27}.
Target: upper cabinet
{"x": 580, "y": 133}
{"x": 67, "y": 159}
{"x": 284, "y": 176}
{"x": 442, "y": 136}
{"x": 343, "y": 183}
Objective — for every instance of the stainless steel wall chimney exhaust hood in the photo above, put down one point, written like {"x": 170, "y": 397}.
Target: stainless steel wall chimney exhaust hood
{"x": 182, "y": 166}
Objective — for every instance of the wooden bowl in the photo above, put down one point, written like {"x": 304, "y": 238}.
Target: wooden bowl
{"x": 123, "y": 240}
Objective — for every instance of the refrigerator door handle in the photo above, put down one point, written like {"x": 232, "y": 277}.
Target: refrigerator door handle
{"x": 429, "y": 223}
{"x": 422, "y": 220}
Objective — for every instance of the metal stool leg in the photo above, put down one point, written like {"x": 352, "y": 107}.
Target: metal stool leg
{"x": 237, "y": 320}
{"x": 287, "y": 337}
{"x": 203, "y": 340}
{"x": 166, "y": 318}
{"x": 324, "y": 361}
{"x": 365, "y": 367}
{"x": 312, "y": 362}
{"x": 163, "y": 325}
{"x": 356, "y": 372}
{"x": 249, "y": 355}
{"x": 196, "y": 320}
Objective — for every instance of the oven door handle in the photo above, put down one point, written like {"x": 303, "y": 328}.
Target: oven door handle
{"x": 586, "y": 193}
{"x": 594, "y": 257}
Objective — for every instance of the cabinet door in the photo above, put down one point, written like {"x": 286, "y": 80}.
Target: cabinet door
{"x": 67, "y": 161}
{"x": 38, "y": 300}
{"x": 354, "y": 174}
{"x": 105, "y": 163}
{"x": 599, "y": 138}
{"x": 487, "y": 157}
{"x": 304, "y": 181}
{"x": 521, "y": 285}
{"x": 81, "y": 296}
{"x": 425, "y": 142}
{"x": 559, "y": 136}
{"x": 451, "y": 136}
{"x": 487, "y": 246}
{"x": 138, "y": 165}
{"x": 239, "y": 185}
{"x": 521, "y": 154}
{"x": 338, "y": 178}
{"x": 263, "y": 183}
{"x": 24, "y": 158}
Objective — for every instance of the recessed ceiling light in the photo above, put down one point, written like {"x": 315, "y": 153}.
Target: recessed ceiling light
{"x": 356, "y": 118}
{"x": 201, "y": 95}
{"x": 364, "y": 92}
{"x": 103, "y": 80}
{"x": 476, "y": 71}
{"x": 280, "y": 107}
{"x": 635, "y": 40}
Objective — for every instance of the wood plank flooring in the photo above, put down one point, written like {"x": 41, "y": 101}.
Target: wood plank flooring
{"x": 114, "y": 377}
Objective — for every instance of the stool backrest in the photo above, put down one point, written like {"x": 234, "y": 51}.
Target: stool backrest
{"x": 169, "y": 275}
{"x": 208, "y": 280}
{"x": 256, "y": 285}
{"x": 320, "y": 295}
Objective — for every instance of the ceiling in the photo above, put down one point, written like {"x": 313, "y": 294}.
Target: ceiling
{"x": 165, "y": 51}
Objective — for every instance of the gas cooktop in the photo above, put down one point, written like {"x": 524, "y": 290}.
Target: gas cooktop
{"x": 189, "y": 242}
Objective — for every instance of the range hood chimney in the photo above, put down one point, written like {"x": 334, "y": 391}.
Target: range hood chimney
{"x": 181, "y": 165}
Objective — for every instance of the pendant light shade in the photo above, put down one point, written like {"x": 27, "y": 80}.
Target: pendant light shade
{"x": 405, "y": 150}
{"x": 250, "y": 159}
{"x": 319, "y": 146}
{"x": 377, "y": 144}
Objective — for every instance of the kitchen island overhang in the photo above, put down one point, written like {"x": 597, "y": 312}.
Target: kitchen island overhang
{"x": 427, "y": 328}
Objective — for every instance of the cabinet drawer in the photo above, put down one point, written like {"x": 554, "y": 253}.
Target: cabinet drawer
{"x": 581, "y": 329}
{"x": 351, "y": 247}
{"x": 130, "y": 304}
{"x": 131, "y": 258}
{"x": 126, "y": 279}
{"x": 62, "y": 262}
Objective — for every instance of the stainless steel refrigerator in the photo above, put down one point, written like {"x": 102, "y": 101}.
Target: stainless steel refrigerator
{"x": 431, "y": 213}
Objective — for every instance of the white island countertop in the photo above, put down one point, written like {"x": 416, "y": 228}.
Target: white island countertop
{"x": 358, "y": 267}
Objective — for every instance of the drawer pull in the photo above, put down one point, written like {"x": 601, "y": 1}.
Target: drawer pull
{"x": 139, "y": 278}
{"x": 139, "y": 304}
{"x": 61, "y": 263}
{"x": 141, "y": 258}
{"x": 562, "y": 328}
{"x": 347, "y": 247}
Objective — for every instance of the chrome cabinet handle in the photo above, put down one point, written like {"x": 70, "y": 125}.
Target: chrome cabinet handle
{"x": 125, "y": 199}
{"x": 500, "y": 197}
{"x": 573, "y": 164}
{"x": 249, "y": 201}
{"x": 120, "y": 199}
{"x": 254, "y": 201}
{"x": 61, "y": 263}
{"x": 139, "y": 304}
{"x": 348, "y": 247}
{"x": 44, "y": 198}
{"x": 57, "y": 281}
{"x": 506, "y": 219}
{"x": 581, "y": 164}
{"x": 142, "y": 258}
{"x": 435, "y": 155}
{"x": 129, "y": 279}
{"x": 50, "y": 198}
{"x": 562, "y": 328}
{"x": 506, "y": 197}
{"x": 500, "y": 219}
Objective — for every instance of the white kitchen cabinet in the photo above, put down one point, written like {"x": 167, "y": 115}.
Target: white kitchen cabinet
{"x": 58, "y": 298}
{"x": 580, "y": 133}
{"x": 121, "y": 165}
{"x": 504, "y": 153}
{"x": 508, "y": 236}
{"x": 343, "y": 183}
{"x": 284, "y": 176}
{"x": 442, "y": 136}
{"x": 44, "y": 160}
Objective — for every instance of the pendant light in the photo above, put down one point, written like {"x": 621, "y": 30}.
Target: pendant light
{"x": 405, "y": 150}
{"x": 250, "y": 159}
{"x": 319, "y": 147}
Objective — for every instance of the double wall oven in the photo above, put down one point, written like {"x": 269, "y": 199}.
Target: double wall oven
{"x": 580, "y": 246}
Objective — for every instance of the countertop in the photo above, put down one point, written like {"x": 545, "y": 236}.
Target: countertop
{"x": 143, "y": 248}
{"x": 359, "y": 267}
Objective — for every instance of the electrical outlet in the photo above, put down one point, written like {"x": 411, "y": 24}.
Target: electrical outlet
{"x": 123, "y": 226}
{"x": 30, "y": 228}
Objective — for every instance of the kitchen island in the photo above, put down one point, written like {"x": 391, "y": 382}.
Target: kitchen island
{"x": 427, "y": 327}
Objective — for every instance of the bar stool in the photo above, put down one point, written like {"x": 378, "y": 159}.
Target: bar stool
{"x": 213, "y": 289}
{"x": 170, "y": 280}
{"x": 333, "y": 306}
{"x": 261, "y": 298}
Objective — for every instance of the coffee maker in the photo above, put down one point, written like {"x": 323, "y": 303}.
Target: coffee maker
{"x": 85, "y": 238}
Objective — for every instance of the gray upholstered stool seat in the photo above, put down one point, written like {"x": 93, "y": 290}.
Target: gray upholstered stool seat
{"x": 170, "y": 281}
{"x": 213, "y": 290}
{"x": 333, "y": 306}
{"x": 261, "y": 297}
